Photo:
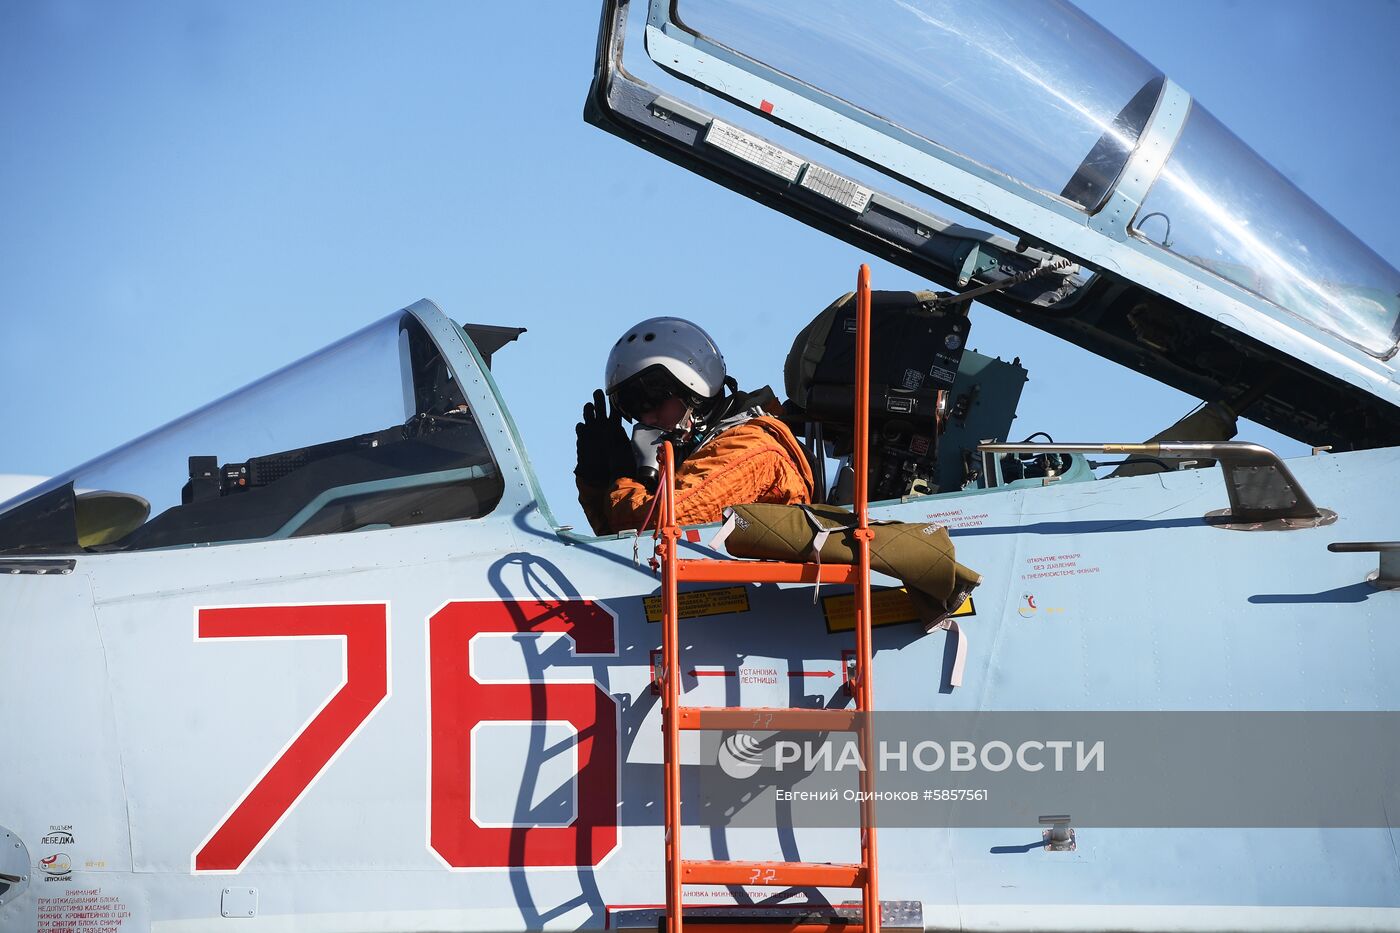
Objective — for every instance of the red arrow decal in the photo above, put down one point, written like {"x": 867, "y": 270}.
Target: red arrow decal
{"x": 811, "y": 673}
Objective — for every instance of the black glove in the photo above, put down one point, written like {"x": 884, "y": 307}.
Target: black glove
{"x": 604, "y": 450}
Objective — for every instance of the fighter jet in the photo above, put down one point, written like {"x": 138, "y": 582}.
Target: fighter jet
{"x": 318, "y": 655}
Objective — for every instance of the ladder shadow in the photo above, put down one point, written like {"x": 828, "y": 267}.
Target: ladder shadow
{"x": 1351, "y": 593}
{"x": 543, "y": 581}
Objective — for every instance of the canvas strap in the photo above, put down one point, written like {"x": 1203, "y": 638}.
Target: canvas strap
{"x": 725, "y": 530}
{"x": 955, "y": 678}
{"x": 819, "y": 535}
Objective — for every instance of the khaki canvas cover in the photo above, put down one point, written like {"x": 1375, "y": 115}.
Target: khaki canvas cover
{"x": 920, "y": 555}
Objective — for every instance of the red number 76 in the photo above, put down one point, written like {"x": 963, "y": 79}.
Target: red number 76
{"x": 457, "y": 702}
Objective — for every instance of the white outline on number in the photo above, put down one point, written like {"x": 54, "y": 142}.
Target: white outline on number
{"x": 344, "y": 640}
{"x": 428, "y": 701}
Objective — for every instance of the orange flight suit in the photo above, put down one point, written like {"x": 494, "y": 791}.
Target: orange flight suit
{"x": 757, "y": 461}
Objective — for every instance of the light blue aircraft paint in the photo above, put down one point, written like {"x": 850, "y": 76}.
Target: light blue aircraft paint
{"x": 317, "y": 656}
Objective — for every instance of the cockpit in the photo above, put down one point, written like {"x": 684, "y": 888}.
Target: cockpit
{"x": 372, "y": 432}
{"x": 1115, "y": 212}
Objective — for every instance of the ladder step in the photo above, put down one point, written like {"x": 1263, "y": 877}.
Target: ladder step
{"x": 762, "y": 571}
{"x": 895, "y": 917}
{"x": 834, "y": 925}
{"x": 780, "y": 874}
{"x": 763, "y": 718}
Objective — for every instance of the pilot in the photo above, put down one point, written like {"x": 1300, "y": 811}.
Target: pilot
{"x": 667, "y": 376}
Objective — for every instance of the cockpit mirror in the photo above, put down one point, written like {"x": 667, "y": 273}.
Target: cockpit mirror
{"x": 104, "y": 517}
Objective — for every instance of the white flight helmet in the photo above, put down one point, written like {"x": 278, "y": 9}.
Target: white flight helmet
{"x": 663, "y": 357}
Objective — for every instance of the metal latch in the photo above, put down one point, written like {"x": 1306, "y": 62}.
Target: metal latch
{"x": 945, "y": 300}
{"x": 1059, "y": 837}
{"x": 1387, "y": 575}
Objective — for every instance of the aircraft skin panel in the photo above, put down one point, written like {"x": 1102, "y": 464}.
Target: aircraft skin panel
{"x": 1162, "y": 918}
{"x": 57, "y": 722}
{"x": 1242, "y": 621}
{"x": 453, "y": 725}
{"x": 350, "y": 724}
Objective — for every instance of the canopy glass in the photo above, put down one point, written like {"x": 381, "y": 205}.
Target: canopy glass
{"x": 1042, "y": 97}
{"x": 371, "y": 432}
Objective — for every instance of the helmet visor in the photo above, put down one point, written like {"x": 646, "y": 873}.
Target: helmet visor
{"x": 645, "y": 391}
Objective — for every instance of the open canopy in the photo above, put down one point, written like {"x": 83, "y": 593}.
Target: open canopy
{"x": 1198, "y": 262}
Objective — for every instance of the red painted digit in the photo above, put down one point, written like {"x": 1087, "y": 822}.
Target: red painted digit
{"x": 457, "y": 702}
{"x": 365, "y": 628}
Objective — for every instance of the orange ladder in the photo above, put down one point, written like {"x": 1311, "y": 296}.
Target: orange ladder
{"x": 675, "y": 717}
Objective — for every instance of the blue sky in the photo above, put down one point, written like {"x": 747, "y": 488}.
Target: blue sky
{"x": 192, "y": 195}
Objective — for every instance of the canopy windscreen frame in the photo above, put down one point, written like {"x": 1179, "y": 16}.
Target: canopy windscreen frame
{"x": 1102, "y": 240}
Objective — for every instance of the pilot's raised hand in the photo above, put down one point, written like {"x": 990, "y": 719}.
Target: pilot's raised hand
{"x": 604, "y": 449}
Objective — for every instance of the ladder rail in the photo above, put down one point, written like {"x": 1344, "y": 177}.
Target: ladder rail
{"x": 865, "y": 688}
{"x": 864, "y": 874}
{"x": 670, "y": 688}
